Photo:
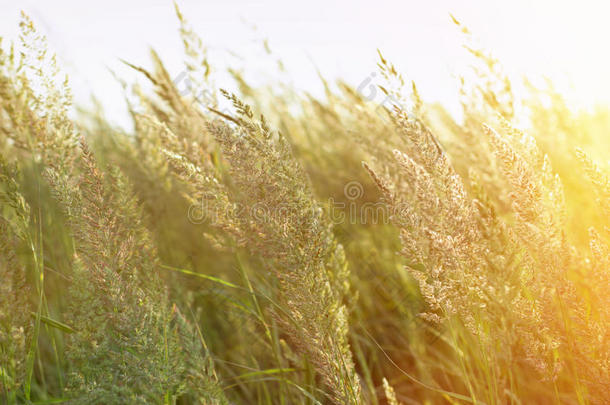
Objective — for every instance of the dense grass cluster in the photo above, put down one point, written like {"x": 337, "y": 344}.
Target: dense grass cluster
{"x": 272, "y": 247}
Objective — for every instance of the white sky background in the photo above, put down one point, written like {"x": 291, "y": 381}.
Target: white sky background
{"x": 566, "y": 41}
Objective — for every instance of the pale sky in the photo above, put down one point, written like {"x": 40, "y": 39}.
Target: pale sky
{"x": 566, "y": 41}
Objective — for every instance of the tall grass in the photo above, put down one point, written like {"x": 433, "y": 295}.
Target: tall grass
{"x": 270, "y": 247}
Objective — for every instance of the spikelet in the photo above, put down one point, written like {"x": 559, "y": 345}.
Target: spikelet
{"x": 390, "y": 395}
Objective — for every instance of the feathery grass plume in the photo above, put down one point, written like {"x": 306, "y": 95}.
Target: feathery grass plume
{"x": 179, "y": 111}
{"x": 468, "y": 264}
{"x": 558, "y": 131}
{"x": 215, "y": 191}
{"x": 431, "y": 187}
{"x": 549, "y": 211}
{"x": 449, "y": 246}
{"x": 486, "y": 93}
{"x": 197, "y": 63}
{"x": 538, "y": 204}
{"x": 349, "y": 124}
{"x": 129, "y": 342}
{"x": 600, "y": 181}
{"x": 15, "y": 322}
{"x": 116, "y": 263}
{"x": 598, "y": 276}
{"x": 281, "y": 222}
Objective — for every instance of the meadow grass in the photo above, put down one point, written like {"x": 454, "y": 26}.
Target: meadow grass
{"x": 271, "y": 247}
